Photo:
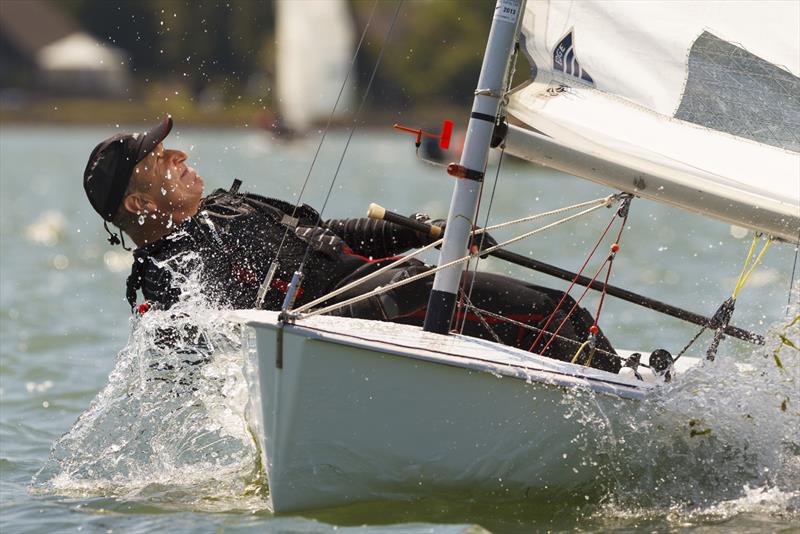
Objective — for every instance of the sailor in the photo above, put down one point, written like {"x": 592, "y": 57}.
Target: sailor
{"x": 230, "y": 239}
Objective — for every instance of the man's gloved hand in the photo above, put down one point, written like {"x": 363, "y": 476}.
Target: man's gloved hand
{"x": 480, "y": 241}
{"x": 427, "y": 239}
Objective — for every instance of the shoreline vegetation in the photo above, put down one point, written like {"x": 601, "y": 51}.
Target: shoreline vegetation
{"x": 89, "y": 111}
{"x": 214, "y": 64}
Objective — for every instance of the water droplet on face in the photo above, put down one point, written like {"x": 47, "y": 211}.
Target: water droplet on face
{"x": 163, "y": 192}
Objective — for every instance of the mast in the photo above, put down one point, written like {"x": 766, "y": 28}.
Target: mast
{"x": 464, "y": 203}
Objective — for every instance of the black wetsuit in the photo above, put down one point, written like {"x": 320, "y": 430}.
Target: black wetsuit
{"x": 233, "y": 239}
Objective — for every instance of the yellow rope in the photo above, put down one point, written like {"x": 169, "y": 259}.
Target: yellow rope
{"x": 580, "y": 351}
{"x": 746, "y": 262}
{"x": 745, "y": 274}
{"x": 591, "y": 357}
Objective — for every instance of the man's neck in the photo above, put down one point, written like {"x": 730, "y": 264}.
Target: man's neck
{"x": 146, "y": 234}
{"x": 150, "y": 229}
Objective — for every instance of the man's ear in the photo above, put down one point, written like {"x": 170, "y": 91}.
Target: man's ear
{"x": 138, "y": 203}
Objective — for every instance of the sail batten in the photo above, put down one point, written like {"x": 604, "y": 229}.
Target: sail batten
{"x": 702, "y": 99}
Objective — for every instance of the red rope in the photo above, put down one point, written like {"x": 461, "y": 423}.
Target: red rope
{"x": 574, "y": 280}
{"x": 574, "y": 306}
{"x": 610, "y": 265}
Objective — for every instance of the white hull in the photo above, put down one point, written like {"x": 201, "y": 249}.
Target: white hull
{"x": 350, "y": 411}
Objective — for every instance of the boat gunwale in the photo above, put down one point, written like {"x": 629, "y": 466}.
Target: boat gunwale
{"x": 517, "y": 371}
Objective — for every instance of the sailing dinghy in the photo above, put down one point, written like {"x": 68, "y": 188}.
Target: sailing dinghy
{"x": 693, "y": 104}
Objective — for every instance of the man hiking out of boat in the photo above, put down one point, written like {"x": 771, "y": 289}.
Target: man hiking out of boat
{"x": 150, "y": 193}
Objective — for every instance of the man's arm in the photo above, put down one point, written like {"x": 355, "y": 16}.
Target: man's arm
{"x": 377, "y": 238}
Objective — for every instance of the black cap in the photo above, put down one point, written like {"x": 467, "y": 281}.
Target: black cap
{"x": 111, "y": 164}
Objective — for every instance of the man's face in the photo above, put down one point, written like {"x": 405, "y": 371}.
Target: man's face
{"x": 174, "y": 188}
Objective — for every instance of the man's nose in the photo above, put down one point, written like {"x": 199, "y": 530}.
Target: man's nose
{"x": 178, "y": 156}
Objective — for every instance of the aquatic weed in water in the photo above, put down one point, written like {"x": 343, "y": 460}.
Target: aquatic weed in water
{"x": 724, "y": 436}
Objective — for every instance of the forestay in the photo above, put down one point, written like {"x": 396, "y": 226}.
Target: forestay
{"x": 696, "y": 104}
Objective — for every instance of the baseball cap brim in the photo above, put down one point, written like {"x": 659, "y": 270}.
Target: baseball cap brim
{"x": 153, "y": 137}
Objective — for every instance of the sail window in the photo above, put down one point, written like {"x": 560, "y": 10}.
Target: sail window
{"x": 732, "y": 90}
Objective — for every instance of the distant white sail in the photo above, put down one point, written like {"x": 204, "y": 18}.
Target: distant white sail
{"x": 696, "y": 104}
{"x": 315, "y": 44}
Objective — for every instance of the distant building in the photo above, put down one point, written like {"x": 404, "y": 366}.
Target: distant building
{"x": 44, "y": 50}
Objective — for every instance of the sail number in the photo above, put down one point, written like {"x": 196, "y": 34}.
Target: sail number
{"x": 506, "y": 10}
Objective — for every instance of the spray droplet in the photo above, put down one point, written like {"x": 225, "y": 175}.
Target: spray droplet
{"x": 163, "y": 192}
{"x": 141, "y": 220}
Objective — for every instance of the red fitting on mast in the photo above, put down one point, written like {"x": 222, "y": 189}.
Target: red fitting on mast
{"x": 459, "y": 171}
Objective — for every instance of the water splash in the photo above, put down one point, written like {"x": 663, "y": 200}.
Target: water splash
{"x": 723, "y": 439}
{"x": 170, "y": 427}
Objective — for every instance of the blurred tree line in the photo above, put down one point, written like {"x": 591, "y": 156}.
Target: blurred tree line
{"x": 226, "y": 47}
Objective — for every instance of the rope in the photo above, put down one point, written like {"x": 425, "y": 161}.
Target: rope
{"x": 579, "y": 351}
{"x": 327, "y": 128}
{"x": 404, "y": 259}
{"x": 366, "y": 278}
{"x": 381, "y": 290}
{"x": 483, "y": 235}
{"x": 611, "y": 264}
{"x": 352, "y": 131}
{"x": 791, "y": 278}
{"x": 538, "y": 329}
{"x": 742, "y": 280}
{"x": 575, "y": 306}
{"x": 745, "y": 274}
{"x": 574, "y": 281}
{"x": 608, "y": 261}
{"x": 479, "y": 315}
{"x": 691, "y": 342}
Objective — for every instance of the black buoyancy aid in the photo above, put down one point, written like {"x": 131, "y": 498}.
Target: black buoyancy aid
{"x": 233, "y": 240}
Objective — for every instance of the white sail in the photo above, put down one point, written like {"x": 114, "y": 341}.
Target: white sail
{"x": 696, "y": 104}
{"x": 315, "y": 43}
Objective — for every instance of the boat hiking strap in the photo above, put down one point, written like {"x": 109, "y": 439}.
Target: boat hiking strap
{"x": 593, "y": 205}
